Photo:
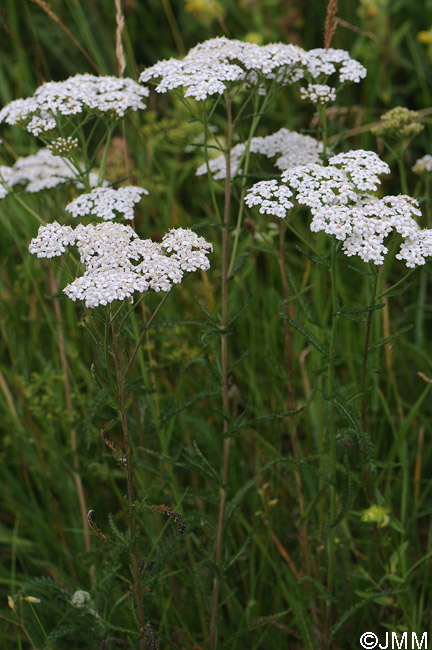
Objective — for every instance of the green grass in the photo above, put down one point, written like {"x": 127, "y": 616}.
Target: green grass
{"x": 273, "y": 578}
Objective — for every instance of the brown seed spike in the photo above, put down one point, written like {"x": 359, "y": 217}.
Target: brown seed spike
{"x": 169, "y": 512}
{"x": 150, "y": 638}
{"x": 330, "y": 23}
{"x": 95, "y": 528}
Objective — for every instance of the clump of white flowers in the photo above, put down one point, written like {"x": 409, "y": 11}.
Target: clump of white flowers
{"x": 318, "y": 93}
{"x": 63, "y": 146}
{"x": 423, "y": 165}
{"x": 341, "y": 204}
{"x": 291, "y": 148}
{"x": 211, "y": 67}
{"x": 108, "y": 96}
{"x": 40, "y": 171}
{"x": 117, "y": 262}
{"x": 107, "y": 203}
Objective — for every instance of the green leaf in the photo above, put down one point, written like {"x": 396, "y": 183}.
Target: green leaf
{"x": 346, "y": 497}
{"x": 388, "y": 339}
{"x": 206, "y": 311}
{"x": 309, "y": 336}
{"x": 240, "y": 311}
{"x": 396, "y": 292}
{"x": 181, "y": 406}
{"x": 297, "y": 463}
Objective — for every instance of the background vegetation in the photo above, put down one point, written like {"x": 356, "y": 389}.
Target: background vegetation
{"x": 48, "y": 388}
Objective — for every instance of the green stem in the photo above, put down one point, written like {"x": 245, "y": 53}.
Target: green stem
{"x": 258, "y": 112}
{"x": 366, "y": 351}
{"x": 102, "y": 169}
{"x": 225, "y": 386}
{"x": 138, "y": 343}
{"x": 130, "y": 486}
{"x": 323, "y": 117}
{"x": 305, "y": 242}
{"x": 332, "y": 438}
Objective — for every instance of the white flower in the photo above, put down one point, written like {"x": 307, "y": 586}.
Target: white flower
{"x": 272, "y": 198}
{"x": 52, "y": 240}
{"x": 117, "y": 263}
{"x": 325, "y": 62}
{"x": 63, "y": 146}
{"x": 107, "y": 203}
{"x": 318, "y": 93}
{"x": 423, "y": 165}
{"x": 340, "y": 207}
{"x": 110, "y": 96}
{"x": 39, "y": 172}
{"x": 80, "y": 598}
{"x": 292, "y": 148}
{"x": 211, "y": 66}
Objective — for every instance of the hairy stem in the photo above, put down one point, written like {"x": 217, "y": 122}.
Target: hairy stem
{"x": 225, "y": 396}
{"x": 291, "y": 407}
{"x": 366, "y": 352}
{"x": 332, "y": 440}
{"x": 130, "y": 486}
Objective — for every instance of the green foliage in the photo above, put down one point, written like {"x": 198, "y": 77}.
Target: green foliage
{"x": 275, "y": 563}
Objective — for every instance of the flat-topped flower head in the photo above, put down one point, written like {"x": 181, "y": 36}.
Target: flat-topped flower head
{"x": 40, "y": 171}
{"x": 423, "y": 166}
{"x": 107, "y": 203}
{"x": 341, "y": 205}
{"x": 323, "y": 63}
{"x": 318, "y": 93}
{"x": 107, "y": 96}
{"x": 63, "y": 146}
{"x": 289, "y": 148}
{"x": 210, "y": 67}
{"x": 118, "y": 263}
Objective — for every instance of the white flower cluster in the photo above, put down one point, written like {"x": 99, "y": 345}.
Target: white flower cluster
{"x": 322, "y": 63}
{"x": 107, "y": 203}
{"x": 111, "y": 96}
{"x": 340, "y": 206}
{"x": 39, "y": 171}
{"x": 272, "y": 198}
{"x": 423, "y": 165}
{"x": 63, "y": 146}
{"x": 292, "y": 148}
{"x": 318, "y": 93}
{"x": 209, "y": 67}
{"x": 118, "y": 263}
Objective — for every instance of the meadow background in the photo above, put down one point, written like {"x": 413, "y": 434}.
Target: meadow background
{"x": 272, "y": 574}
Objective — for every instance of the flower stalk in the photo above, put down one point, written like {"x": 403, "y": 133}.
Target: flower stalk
{"x": 225, "y": 386}
{"x": 137, "y": 589}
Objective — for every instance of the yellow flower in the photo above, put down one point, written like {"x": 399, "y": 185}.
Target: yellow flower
{"x": 11, "y": 602}
{"x": 377, "y": 515}
{"x": 204, "y": 10}
{"x": 425, "y": 37}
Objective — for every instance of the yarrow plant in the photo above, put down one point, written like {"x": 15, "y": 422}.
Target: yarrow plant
{"x": 107, "y": 203}
{"x": 227, "y": 86}
{"x": 40, "y": 171}
{"x": 339, "y": 197}
{"x": 104, "y": 96}
{"x": 118, "y": 263}
{"x": 210, "y": 68}
{"x": 220, "y": 69}
{"x": 114, "y": 263}
{"x": 289, "y": 148}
